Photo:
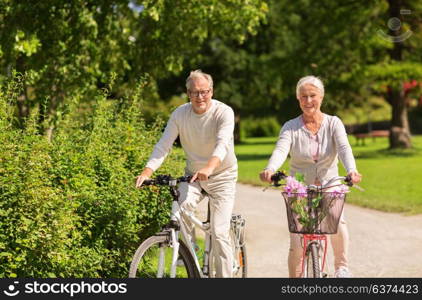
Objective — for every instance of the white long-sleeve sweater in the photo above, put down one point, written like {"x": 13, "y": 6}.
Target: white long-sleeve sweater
{"x": 295, "y": 139}
{"x": 201, "y": 136}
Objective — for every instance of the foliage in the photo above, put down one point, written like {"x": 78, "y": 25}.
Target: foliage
{"x": 68, "y": 206}
{"x": 392, "y": 74}
{"x": 374, "y": 109}
{"x": 69, "y": 47}
{"x": 339, "y": 41}
{"x": 259, "y": 127}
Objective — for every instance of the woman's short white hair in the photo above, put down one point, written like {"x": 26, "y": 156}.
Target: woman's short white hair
{"x": 198, "y": 74}
{"x": 315, "y": 81}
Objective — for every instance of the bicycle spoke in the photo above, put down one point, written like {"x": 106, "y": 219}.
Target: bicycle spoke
{"x": 154, "y": 258}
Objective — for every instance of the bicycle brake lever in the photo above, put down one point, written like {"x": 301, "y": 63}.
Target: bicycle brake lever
{"x": 359, "y": 188}
{"x": 274, "y": 185}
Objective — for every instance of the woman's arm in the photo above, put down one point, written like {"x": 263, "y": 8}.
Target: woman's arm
{"x": 279, "y": 154}
{"x": 344, "y": 150}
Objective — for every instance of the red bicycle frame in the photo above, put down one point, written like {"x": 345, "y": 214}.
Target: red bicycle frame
{"x": 307, "y": 238}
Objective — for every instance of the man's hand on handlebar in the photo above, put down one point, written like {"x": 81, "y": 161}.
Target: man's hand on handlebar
{"x": 145, "y": 175}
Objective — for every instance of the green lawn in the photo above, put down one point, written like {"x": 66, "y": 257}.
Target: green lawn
{"x": 390, "y": 178}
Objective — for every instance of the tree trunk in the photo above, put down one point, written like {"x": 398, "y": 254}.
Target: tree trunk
{"x": 22, "y": 100}
{"x": 46, "y": 120}
{"x": 23, "y": 108}
{"x": 399, "y": 131}
{"x": 237, "y": 136}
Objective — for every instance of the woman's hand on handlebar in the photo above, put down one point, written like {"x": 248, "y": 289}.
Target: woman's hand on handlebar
{"x": 265, "y": 175}
{"x": 355, "y": 177}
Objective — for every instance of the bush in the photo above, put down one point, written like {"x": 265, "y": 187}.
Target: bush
{"x": 250, "y": 127}
{"x": 68, "y": 206}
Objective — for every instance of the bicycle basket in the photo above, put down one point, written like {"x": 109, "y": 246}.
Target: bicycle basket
{"x": 317, "y": 213}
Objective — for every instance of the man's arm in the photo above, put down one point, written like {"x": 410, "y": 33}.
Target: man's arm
{"x": 160, "y": 152}
{"x": 224, "y": 134}
{"x": 224, "y": 138}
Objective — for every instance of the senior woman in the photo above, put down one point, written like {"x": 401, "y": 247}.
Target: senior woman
{"x": 314, "y": 141}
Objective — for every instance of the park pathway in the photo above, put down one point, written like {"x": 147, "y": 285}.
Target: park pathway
{"x": 381, "y": 244}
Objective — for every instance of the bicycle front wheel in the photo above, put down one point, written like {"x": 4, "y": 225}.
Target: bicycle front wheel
{"x": 154, "y": 256}
{"x": 312, "y": 261}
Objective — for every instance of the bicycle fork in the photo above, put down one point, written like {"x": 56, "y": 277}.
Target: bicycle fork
{"x": 308, "y": 239}
{"x": 175, "y": 245}
{"x": 176, "y": 217}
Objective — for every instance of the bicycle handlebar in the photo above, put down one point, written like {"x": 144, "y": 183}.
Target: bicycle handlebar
{"x": 167, "y": 180}
{"x": 280, "y": 175}
{"x": 277, "y": 177}
{"x": 347, "y": 179}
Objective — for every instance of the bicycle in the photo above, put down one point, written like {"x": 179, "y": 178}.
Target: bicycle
{"x": 171, "y": 252}
{"x": 314, "y": 213}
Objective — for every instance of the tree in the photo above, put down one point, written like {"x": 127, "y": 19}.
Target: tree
{"x": 343, "y": 42}
{"x": 72, "y": 47}
{"x": 404, "y": 65}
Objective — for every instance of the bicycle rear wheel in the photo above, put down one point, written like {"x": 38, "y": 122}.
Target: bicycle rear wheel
{"x": 153, "y": 260}
{"x": 240, "y": 263}
{"x": 312, "y": 261}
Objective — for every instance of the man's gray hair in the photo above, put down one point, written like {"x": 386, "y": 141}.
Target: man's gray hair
{"x": 198, "y": 74}
{"x": 315, "y": 81}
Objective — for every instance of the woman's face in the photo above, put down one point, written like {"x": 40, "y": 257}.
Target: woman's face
{"x": 310, "y": 99}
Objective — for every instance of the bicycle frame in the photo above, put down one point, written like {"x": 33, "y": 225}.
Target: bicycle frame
{"x": 205, "y": 227}
{"x": 307, "y": 240}
{"x": 176, "y": 217}
{"x": 180, "y": 246}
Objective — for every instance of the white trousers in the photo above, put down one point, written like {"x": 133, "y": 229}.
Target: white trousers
{"x": 221, "y": 192}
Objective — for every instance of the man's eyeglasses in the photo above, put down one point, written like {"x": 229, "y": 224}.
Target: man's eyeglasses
{"x": 197, "y": 93}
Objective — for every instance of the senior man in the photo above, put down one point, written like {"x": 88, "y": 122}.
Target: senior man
{"x": 205, "y": 127}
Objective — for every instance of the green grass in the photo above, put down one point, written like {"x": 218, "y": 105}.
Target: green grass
{"x": 391, "y": 179}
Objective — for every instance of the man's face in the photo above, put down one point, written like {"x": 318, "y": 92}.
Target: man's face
{"x": 200, "y": 94}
